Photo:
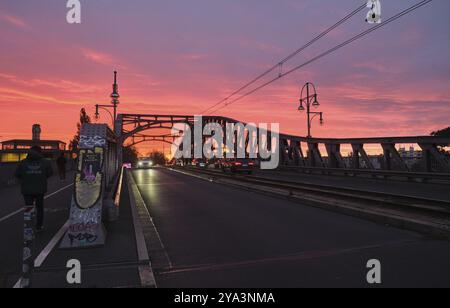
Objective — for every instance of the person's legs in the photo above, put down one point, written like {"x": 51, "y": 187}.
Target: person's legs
{"x": 39, "y": 211}
{"x": 61, "y": 173}
{"x": 29, "y": 200}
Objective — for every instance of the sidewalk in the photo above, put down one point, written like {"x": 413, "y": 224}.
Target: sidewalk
{"x": 113, "y": 265}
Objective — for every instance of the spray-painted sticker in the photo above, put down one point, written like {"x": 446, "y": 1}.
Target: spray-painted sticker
{"x": 26, "y": 253}
{"x": 28, "y": 234}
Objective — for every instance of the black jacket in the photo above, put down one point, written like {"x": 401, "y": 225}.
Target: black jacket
{"x": 33, "y": 173}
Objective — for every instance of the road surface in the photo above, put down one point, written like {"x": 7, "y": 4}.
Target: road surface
{"x": 218, "y": 236}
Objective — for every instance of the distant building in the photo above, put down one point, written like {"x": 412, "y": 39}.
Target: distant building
{"x": 411, "y": 157}
{"x": 411, "y": 154}
{"x": 13, "y": 151}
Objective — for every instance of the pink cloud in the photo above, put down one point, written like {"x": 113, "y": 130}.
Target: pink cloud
{"x": 193, "y": 57}
{"x": 13, "y": 20}
{"x": 101, "y": 58}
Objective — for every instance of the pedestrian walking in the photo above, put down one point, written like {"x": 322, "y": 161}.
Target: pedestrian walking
{"x": 61, "y": 162}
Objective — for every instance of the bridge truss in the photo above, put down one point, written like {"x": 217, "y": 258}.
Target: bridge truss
{"x": 303, "y": 152}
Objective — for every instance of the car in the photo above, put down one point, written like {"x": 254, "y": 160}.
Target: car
{"x": 201, "y": 163}
{"x": 145, "y": 163}
{"x": 238, "y": 166}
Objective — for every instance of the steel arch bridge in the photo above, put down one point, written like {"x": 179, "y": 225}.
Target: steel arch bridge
{"x": 295, "y": 150}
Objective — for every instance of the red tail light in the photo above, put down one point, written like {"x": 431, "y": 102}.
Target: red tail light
{"x": 238, "y": 164}
{"x": 251, "y": 164}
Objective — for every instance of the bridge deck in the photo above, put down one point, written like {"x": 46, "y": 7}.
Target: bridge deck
{"x": 219, "y": 236}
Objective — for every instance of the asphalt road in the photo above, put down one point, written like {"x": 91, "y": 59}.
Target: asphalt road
{"x": 112, "y": 265}
{"x": 57, "y": 204}
{"x": 218, "y": 236}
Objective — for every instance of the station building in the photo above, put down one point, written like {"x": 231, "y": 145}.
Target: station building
{"x": 13, "y": 151}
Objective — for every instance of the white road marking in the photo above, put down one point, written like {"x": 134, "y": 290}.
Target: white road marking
{"x": 11, "y": 215}
{"x": 21, "y": 210}
{"x": 51, "y": 245}
{"x": 53, "y": 242}
{"x": 58, "y": 191}
{"x": 47, "y": 250}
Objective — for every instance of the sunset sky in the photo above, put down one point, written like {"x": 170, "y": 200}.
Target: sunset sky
{"x": 181, "y": 56}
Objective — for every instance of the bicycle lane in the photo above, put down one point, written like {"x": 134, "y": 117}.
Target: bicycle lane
{"x": 57, "y": 203}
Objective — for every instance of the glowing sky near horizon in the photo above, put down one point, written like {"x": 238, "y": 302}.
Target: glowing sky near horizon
{"x": 181, "y": 56}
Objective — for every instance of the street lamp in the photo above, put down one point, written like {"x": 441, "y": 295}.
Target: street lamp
{"x": 310, "y": 100}
{"x": 97, "y": 114}
{"x": 114, "y": 103}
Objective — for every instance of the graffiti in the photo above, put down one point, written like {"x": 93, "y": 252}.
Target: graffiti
{"x": 79, "y": 216}
{"x": 26, "y": 253}
{"x": 25, "y": 268}
{"x": 28, "y": 237}
{"x": 89, "y": 227}
{"x": 88, "y": 142}
{"x": 85, "y": 227}
{"x": 88, "y": 174}
{"x": 92, "y": 158}
{"x": 28, "y": 234}
{"x": 28, "y": 213}
{"x": 87, "y": 194}
{"x": 89, "y": 178}
{"x": 82, "y": 238}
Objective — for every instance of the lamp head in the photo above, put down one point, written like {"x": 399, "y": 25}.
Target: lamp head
{"x": 316, "y": 102}
{"x": 301, "y": 108}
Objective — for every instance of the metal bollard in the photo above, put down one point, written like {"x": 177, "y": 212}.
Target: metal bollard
{"x": 28, "y": 246}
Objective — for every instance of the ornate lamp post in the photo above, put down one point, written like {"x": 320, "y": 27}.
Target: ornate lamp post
{"x": 114, "y": 103}
{"x": 310, "y": 100}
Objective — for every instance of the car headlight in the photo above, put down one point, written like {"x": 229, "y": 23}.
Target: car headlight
{"x": 140, "y": 164}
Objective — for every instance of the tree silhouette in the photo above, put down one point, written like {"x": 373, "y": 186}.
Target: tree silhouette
{"x": 130, "y": 155}
{"x": 442, "y": 133}
{"x": 158, "y": 158}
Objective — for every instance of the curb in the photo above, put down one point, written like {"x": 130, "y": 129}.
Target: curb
{"x": 146, "y": 274}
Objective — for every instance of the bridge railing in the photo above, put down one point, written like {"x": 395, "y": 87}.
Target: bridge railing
{"x": 432, "y": 157}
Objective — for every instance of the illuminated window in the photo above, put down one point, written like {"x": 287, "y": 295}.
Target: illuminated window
{"x": 10, "y": 158}
{"x": 8, "y": 147}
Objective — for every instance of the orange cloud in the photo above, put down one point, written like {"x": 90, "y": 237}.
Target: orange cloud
{"x": 11, "y": 94}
